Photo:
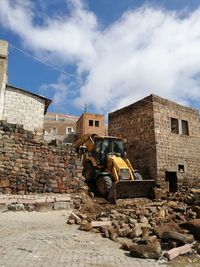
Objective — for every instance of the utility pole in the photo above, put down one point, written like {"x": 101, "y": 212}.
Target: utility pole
{"x": 85, "y": 110}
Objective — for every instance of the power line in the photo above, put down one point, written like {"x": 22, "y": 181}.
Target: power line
{"x": 59, "y": 70}
{"x": 45, "y": 63}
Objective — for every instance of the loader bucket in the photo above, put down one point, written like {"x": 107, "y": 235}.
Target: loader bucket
{"x": 131, "y": 189}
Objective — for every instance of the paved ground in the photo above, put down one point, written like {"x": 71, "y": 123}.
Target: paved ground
{"x": 44, "y": 239}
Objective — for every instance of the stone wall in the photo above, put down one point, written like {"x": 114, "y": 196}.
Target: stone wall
{"x": 23, "y": 108}
{"x": 177, "y": 149}
{"x": 29, "y": 164}
{"x": 135, "y": 124}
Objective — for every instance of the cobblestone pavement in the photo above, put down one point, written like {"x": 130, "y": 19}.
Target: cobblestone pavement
{"x": 44, "y": 239}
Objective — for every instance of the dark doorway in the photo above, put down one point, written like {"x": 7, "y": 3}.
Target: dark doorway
{"x": 171, "y": 177}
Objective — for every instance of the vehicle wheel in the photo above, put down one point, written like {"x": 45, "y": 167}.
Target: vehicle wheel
{"x": 89, "y": 172}
{"x": 104, "y": 184}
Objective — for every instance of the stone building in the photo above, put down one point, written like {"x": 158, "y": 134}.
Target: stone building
{"x": 18, "y": 105}
{"x": 60, "y": 126}
{"x": 89, "y": 123}
{"x": 162, "y": 140}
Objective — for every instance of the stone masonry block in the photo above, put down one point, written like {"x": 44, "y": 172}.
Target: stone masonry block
{"x": 26, "y": 201}
{"x": 3, "y": 207}
{"x": 63, "y": 198}
{"x": 61, "y": 205}
{"x": 40, "y": 200}
{"x": 43, "y": 206}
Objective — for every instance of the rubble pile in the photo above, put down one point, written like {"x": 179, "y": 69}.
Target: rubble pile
{"x": 147, "y": 228}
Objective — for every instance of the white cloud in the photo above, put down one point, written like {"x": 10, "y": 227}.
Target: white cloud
{"x": 147, "y": 50}
{"x": 60, "y": 89}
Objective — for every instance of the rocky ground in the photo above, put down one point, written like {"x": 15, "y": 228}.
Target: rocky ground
{"x": 167, "y": 227}
{"x": 44, "y": 239}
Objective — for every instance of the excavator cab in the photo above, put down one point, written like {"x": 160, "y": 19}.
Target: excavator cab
{"x": 105, "y": 146}
{"x": 105, "y": 164}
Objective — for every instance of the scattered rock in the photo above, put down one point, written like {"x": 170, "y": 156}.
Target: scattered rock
{"x": 182, "y": 238}
{"x": 124, "y": 231}
{"x": 146, "y": 251}
{"x": 71, "y": 221}
{"x": 105, "y": 232}
{"x": 97, "y": 224}
{"x": 194, "y": 227}
{"x": 136, "y": 231}
{"x": 198, "y": 248}
{"x": 175, "y": 252}
{"x": 126, "y": 245}
{"x": 85, "y": 226}
{"x": 75, "y": 217}
{"x": 143, "y": 219}
{"x": 171, "y": 226}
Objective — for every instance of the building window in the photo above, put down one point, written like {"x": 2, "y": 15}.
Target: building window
{"x": 181, "y": 168}
{"x": 53, "y": 131}
{"x": 185, "y": 128}
{"x": 96, "y": 123}
{"x": 174, "y": 126}
{"x": 69, "y": 130}
{"x": 90, "y": 122}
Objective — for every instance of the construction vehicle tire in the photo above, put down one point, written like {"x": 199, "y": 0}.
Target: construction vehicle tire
{"x": 89, "y": 172}
{"x": 104, "y": 184}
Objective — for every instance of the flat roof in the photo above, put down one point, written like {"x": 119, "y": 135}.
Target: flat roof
{"x": 150, "y": 99}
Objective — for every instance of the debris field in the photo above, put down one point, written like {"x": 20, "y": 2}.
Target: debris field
{"x": 165, "y": 227}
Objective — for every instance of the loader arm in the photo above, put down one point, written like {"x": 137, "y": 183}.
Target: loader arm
{"x": 85, "y": 139}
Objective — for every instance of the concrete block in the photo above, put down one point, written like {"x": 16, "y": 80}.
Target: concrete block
{"x": 50, "y": 199}
{"x": 40, "y": 200}
{"x": 63, "y": 198}
{"x": 11, "y": 201}
{"x": 43, "y": 206}
{"x": 62, "y": 205}
{"x": 3, "y": 207}
{"x": 3, "y": 201}
{"x": 175, "y": 252}
{"x": 185, "y": 249}
{"x": 26, "y": 201}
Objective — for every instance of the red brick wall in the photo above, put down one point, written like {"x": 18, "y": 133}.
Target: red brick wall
{"x": 84, "y": 128}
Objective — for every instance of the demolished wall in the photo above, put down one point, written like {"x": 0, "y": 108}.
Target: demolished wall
{"x": 29, "y": 164}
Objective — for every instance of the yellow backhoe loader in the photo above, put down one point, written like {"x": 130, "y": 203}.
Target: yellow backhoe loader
{"x": 104, "y": 162}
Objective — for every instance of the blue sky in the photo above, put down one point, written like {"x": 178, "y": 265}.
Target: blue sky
{"x": 103, "y": 53}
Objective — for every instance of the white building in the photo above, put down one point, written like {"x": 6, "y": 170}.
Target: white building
{"x": 18, "y": 105}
